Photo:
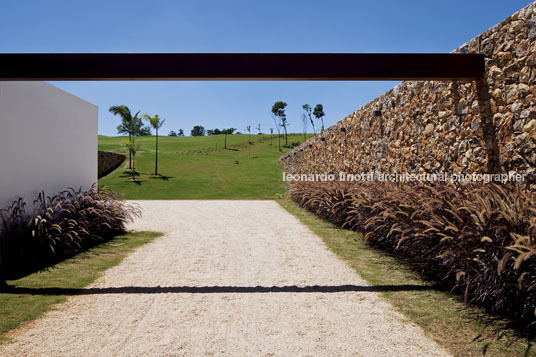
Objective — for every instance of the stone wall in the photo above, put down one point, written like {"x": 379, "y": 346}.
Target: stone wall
{"x": 109, "y": 161}
{"x": 483, "y": 126}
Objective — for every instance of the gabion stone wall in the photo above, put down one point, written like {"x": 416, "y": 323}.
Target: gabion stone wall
{"x": 109, "y": 161}
{"x": 487, "y": 126}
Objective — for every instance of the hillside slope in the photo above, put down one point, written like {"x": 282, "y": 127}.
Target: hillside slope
{"x": 199, "y": 167}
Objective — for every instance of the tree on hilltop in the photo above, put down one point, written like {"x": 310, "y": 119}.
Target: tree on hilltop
{"x": 278, "y": 110}
{"x": 198, "y": 130}
{"x": 319, "y": 114}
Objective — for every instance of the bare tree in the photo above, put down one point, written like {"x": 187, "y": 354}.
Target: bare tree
{"x": 307, "y": 109}
{"x": 278, "y": 128}
{"x": 304, "y": 122}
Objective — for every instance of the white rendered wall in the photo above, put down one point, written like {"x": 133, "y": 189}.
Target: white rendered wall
{"x": 48, "y": 141}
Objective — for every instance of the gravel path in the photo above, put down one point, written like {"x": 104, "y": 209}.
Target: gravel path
{"x": 236, "y": 278}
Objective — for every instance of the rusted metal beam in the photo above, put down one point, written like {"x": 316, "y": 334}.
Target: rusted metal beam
{"x": 240, "y": 66}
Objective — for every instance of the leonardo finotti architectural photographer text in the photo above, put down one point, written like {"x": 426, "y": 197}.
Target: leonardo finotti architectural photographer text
{"x": 406, "y": 177}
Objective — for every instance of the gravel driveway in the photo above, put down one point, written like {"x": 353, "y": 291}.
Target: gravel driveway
{"x": 236, "y": 278}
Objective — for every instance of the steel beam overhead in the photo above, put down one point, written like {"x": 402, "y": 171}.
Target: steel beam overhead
{"x": 240, "y": 66}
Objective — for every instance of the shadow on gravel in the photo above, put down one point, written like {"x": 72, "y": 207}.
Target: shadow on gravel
{"x": 213, "y": 289}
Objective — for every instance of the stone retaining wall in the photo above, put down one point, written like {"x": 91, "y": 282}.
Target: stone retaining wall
{"x": 486, "y": 126}
{"x": 109, "y": 161}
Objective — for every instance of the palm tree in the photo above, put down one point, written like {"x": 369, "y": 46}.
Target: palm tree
{"x": 132, "y": 148}
{"x": 156, "y": 122}
{"x": 130, "y": 125}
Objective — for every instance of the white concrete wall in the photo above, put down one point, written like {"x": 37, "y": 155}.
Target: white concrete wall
{"x": 48, "y": 141}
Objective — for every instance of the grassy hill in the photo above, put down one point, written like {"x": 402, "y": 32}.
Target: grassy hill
{"x": 199, "y": 167}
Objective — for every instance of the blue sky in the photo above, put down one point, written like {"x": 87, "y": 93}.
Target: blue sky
{"x": 239, "y": 26}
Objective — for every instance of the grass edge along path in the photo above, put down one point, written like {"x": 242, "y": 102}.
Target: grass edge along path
{"x": 73, "y": 273}
{"x": 462, "y": 330}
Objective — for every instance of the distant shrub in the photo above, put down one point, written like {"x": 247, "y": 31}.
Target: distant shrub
{"x": 198, "y": 130}
{"x": 292, "y": 145}
{"x": 58, "y": 227}
{"x": 479, "y": 240}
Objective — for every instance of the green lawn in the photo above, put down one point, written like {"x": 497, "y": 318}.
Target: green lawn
{"x": 27, "y": 298}
{"x": 199, "y": 167}
{"x": 463, "y": 330}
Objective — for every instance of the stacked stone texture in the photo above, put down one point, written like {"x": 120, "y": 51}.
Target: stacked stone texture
{"x": 486, "y": 126}
{"x": 108, "y": 161}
